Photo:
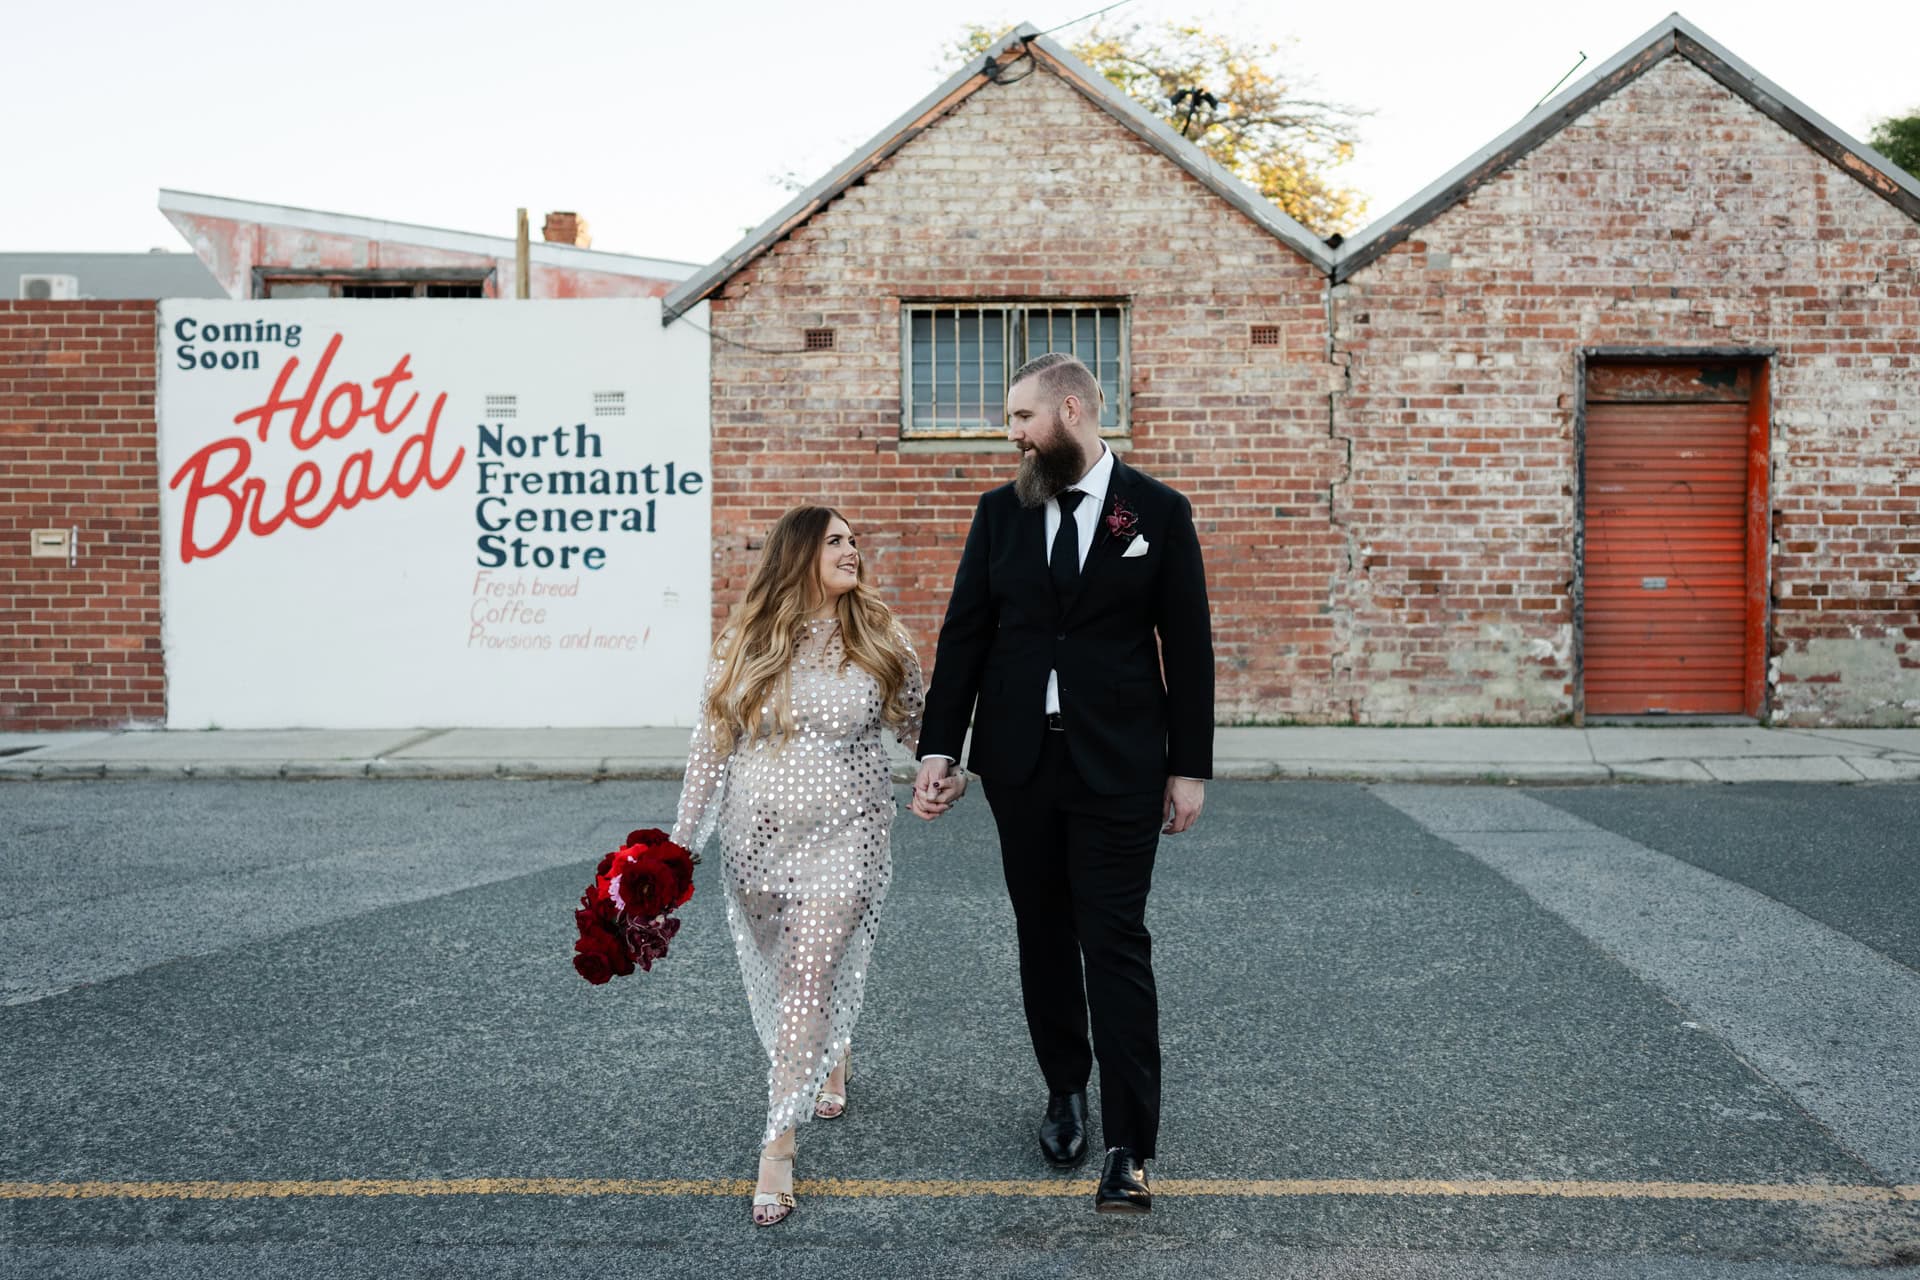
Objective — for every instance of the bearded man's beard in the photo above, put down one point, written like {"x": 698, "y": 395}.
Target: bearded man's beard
{"x": 1049, "y": 467}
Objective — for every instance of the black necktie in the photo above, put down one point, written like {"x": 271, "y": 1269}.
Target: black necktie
{"x": 1065, "y": 559}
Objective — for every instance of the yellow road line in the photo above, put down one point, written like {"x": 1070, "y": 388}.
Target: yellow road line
{"x": 875, "y": 1188}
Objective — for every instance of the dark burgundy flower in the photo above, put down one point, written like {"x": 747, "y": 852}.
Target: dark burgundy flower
{"x": 1121, "y": 521}
{"x": 647, "y": 939}
{"x": 646, "y": 837}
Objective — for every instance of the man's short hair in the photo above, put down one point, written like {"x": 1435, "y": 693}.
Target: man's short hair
{"x": 1062, "y": 375}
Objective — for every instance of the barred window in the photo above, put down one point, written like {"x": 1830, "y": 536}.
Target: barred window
{"x": 408, "y": 282}
{"x": 956, "y": 360}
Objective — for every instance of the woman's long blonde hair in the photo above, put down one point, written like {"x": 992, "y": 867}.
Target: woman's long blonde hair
{"x": 750, "y": 695}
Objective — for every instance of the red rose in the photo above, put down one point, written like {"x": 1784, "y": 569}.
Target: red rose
{"x": 680, "y": 863}
{"x": 602, "y": 918}
{"x": 596, "y": 902}
{"x": 599, "y": 950}
{"x": 651, "y": 876}
{"x": 648, "y": 887}
{"x": 618, "y": 862}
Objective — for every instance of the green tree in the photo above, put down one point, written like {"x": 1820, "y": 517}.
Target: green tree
{"x": 1259, "y": 126}
{"x": 1898, "y": 139}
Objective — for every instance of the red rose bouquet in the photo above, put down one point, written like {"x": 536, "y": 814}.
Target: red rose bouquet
{"x": 626, "y": 915}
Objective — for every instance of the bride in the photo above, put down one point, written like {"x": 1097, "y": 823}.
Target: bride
{"x": 787, "y": 769}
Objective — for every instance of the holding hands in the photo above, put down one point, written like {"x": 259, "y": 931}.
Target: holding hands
{"x": 937, "y": 788}
{"x": 940, "y": 785}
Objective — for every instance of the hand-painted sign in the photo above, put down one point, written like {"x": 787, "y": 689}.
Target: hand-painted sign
{"x": 432, "y": 513}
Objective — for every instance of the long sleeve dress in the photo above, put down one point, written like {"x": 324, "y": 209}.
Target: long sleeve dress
{"x": 804, "y": 826}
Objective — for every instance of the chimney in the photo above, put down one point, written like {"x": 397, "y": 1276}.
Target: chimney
{"x": 566, "y": 228}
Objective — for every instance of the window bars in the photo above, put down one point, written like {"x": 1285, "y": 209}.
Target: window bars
{"x": 956, "y": 360}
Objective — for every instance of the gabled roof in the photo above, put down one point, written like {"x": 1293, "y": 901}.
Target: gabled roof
{"x": 543, "y": 252}
{"x": 1671, "y": 36}
{"x": 1022, "y": 41}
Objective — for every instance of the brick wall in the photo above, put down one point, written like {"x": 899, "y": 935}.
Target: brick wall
{"x": 1672, "y": 214}
{"x": 1389, "y": 531}
{"x": 79, "y": 646}
{"x": 1029, "y": 191}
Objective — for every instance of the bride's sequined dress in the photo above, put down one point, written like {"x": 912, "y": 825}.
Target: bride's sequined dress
{"x": 803, "y": 827}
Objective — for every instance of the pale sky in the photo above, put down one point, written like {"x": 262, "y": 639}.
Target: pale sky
{"x": 668, "y": 126}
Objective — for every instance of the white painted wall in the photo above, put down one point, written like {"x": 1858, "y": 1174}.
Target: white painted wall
{"x": 383, "y": 613}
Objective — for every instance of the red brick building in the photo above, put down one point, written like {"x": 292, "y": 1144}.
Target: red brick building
{"x": 863, "y": 337}
{"x": 1632, "y": 405}
{"x": 1619, "y": 417}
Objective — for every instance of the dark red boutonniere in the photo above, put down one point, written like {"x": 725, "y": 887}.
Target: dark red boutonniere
{"x": 1121, "y": 521}
{"x": 626, "y": 915}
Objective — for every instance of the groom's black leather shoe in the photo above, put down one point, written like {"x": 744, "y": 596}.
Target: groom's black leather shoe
{"x": 1123, "y": 1185}
{"x": 1063, "y": 1131}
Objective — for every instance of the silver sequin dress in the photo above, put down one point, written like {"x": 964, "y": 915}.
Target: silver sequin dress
{"x": 803, "y": 826}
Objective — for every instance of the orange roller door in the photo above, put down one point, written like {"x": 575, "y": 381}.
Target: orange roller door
{"x": 1665, "y": 572}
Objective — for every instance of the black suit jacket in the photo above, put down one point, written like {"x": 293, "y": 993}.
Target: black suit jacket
{"x": 1126, "y": 727}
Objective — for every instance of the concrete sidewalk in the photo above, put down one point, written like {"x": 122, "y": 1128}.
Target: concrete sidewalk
{"x": 1519, "y": 755}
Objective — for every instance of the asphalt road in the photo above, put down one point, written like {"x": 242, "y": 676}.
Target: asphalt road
{"x": 316, "y": 1029}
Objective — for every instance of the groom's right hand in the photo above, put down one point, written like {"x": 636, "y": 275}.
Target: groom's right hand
{"x": 933, "y": 791}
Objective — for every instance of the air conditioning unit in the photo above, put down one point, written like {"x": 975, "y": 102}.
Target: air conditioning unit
{"x": 49, "y": 288}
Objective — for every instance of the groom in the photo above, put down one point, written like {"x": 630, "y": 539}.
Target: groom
{"x": 1087, "y": 754}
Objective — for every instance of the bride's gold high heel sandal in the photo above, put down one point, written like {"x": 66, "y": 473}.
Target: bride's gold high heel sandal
{"x": 770, "y": 1207}
{"x": 828, "y": 1105}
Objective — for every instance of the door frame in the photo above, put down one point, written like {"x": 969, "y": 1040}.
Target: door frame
{"x": 1759, "y": 594}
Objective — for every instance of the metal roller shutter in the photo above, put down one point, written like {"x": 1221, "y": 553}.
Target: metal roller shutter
{"x": 1665, "y": 574}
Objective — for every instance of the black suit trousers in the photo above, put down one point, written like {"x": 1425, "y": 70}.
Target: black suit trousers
{"x": 1078, "y": 868}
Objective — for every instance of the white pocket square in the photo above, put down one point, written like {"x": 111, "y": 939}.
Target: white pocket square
{"x": 1138, "y": 547}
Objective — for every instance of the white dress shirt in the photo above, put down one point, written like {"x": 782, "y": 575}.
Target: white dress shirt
{"x": 1087, "y": 517}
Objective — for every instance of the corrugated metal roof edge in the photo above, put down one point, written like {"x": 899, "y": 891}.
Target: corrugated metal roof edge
{"x": 955, "y": 90}
{"x": 1672, "y": 35}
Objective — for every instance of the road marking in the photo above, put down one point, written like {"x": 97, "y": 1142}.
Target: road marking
{"x": 207, "y": 915}
{"x": 1830, "y": 1022}
{"x": 880, "y": 1188}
